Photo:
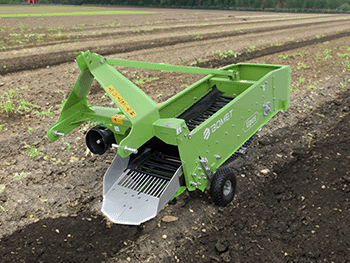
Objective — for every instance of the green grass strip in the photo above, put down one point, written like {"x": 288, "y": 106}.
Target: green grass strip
{"x": 78, "y": 13}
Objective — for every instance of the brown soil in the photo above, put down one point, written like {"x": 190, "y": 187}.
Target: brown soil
{"x": 297, "y": 212}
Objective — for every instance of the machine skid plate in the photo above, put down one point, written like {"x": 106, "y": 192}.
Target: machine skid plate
{"x": 131, "y": 197}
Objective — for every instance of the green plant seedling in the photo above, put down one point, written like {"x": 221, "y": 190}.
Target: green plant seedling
{"x": 25, "y": 106}
{"x": 327, "y": 57}
{"x": 301, "y": 80}
{"x": 226, "y": 53}
{"x": 47, "y": 113}
{"x": 33, "y": 152}
{"x": 1, "y": 127}
{"x": 6, "y": 102}
{"x": 20, "y": 176}
{"x": 343, "y": 55}
{"x": 302, "y": 65}
{"x": 30, "y": 130}
{"x": 199, "y": 36}
{"x": 251, "y": 48}
{"x": 2, "y": 208}
{"x": 283, "y": 56}
{"x": 68, "y": 146}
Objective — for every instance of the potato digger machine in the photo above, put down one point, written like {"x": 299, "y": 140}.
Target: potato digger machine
{"x": 180, "y": 144}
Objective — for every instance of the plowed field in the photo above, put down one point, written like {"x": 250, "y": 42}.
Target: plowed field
{"x": 293, "y": 194}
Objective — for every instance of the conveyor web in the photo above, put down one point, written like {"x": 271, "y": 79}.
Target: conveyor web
{"x": 216, "y": 106}
{"x": 205, "y": 108}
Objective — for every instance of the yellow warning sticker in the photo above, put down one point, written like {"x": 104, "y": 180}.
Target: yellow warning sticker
{"x": 118, "y": 118}
{"x": 115, "y": 94}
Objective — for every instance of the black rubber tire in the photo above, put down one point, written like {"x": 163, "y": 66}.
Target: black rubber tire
{"x": 223, "y": 186}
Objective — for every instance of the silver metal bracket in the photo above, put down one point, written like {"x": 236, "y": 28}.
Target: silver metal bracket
{"x": 266, "y": 108}
{"x": 207, "y": 169}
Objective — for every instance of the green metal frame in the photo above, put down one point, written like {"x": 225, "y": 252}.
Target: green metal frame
{"x": 260, "y": 91}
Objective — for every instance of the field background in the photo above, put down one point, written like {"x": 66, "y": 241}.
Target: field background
{"x": 293, "y": 199}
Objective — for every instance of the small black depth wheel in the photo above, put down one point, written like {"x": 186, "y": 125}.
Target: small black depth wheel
{"x": 223, "y": 186}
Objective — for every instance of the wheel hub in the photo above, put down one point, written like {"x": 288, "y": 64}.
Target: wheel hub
{"x": 227, "y": 187}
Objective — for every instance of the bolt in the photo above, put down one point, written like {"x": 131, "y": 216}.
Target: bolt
{"x": 102, "y": 61}
{"x": 185, "y": 135}
{"x": 195, "y": 98}
{"x": 217, "y": 141}
{"x": 263, "y": 96}
{"x": 266, "y": 82}
{"x": 199, "y": 184}
{"x": 194, "y": 174}
{"x": 202, "y": 174}
{"x": 249, "y": 110}
{"x": 234, "y": 95}
{"x": 190, "y": 136}
{"x": 275, "y": 109}
{"x": 274, "y": 87}
{"x": 98, "y": 141}
{"x": 199, "y": 168}
{"x": 205, "y": 178}
{"x": 273, "y": 76}
{"x": 226, "y": 133}
{"x": 217, "y": 156}
{"x": 207, "y": 151}
{"x": 256, "y": 103}
{"x": 57, "y": 134}
{"x": 184, "y": 126}
{"x": 199, "y": 178}
{"x": 274, "y": 98}
{"x": 233, "y": 125}
{"x": 242, "y": 118}
{"x": 238, "y": 135}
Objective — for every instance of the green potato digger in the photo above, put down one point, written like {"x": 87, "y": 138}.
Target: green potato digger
{"x": 178, "y": 145}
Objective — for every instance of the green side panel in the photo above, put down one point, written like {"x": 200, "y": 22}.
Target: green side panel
{"x": 227, "y": 130}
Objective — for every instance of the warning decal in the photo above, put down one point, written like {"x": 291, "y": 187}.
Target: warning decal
{"x": 115, "y": 94}
{"x": 118, "y": 118}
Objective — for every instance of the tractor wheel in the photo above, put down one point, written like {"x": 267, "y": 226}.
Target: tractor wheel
{"x": 223, "y": 186}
